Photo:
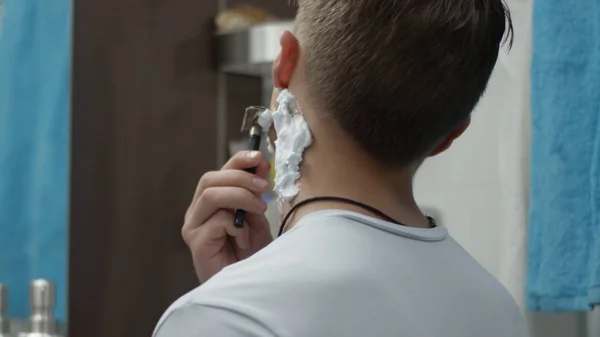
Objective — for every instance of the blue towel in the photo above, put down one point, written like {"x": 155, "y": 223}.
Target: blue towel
{"x": 564, "y": 236}
{"x": 35, "y": 53}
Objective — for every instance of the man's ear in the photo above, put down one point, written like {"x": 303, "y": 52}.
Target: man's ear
{"x": 445, "y": 144}
{"x": 285, "y": 64}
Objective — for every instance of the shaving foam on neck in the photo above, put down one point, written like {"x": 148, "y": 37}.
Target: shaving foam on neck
{"x": 293, "y": 137}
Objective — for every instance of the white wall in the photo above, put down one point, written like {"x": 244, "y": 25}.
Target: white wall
{"x": 480, "y": 186}
{"x": 479, "y": 189}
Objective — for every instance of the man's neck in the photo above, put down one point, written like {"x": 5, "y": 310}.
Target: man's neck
{"x": 337, "y": 168}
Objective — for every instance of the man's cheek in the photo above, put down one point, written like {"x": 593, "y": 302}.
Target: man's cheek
{"x": 274, "y": 104}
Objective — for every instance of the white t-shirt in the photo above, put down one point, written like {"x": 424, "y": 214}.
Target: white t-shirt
{"x": 343, "y": 274}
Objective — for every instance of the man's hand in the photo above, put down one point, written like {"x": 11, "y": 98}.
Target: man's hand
{"x": 209, "y": 229}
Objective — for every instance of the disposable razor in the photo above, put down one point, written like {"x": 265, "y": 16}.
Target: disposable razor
{"x": 250, "y": 125}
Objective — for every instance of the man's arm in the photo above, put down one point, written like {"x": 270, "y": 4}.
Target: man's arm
{"x": 196, "y": 320}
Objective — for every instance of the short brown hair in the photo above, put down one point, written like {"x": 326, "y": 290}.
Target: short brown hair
{"x": 400, "y": 75}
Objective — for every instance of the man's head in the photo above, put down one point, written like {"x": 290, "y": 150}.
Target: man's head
{"x": 400, "y": 77}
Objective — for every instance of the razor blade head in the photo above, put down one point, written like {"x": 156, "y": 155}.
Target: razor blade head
{"x": 251, "y": 117}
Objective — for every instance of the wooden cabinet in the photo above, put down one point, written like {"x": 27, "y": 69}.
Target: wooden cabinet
{"x": 143, "y": 132}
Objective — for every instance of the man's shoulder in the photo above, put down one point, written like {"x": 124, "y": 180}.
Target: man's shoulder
{"x": 252, "y": 293}
{"x": 192, "y": 319}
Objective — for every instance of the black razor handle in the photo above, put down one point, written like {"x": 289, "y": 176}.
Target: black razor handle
{"x": 240, "y": 214}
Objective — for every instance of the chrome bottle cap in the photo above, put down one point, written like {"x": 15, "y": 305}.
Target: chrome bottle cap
{"x": 42, "y": 301}
{"x": 4, "y": 325}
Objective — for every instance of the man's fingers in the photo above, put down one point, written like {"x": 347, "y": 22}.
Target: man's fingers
{"x": 243, "y": 160}
{"x": 222, "y": 224}
{"x": 234, "y": 178}
{"x": 241, "y": 235}
{"x": 263, "y": 169}
{"x": 216, "y": 198}
{"x": 240, "y": 161}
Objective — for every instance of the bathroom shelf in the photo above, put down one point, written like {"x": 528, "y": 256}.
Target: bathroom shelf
{"x": 251, "y": 51}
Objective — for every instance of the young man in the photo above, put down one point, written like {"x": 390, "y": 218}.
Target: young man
{"x": 381, "y": 84}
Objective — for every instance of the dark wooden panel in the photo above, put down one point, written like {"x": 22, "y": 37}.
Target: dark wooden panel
{"x": 280, "y": 8}
{"x": 242, "y": 92}
{"x": 143, "y": 131}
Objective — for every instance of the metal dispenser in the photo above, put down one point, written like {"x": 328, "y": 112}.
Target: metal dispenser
{"x": 4, "y": 323}
{"x": 42, "y": 301}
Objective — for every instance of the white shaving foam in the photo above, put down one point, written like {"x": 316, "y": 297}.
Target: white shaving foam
{"x": 265, "y": 120}
{"x": 293, "y": 137}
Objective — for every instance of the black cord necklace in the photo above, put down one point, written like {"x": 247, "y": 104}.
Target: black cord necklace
{"x": 371, "y": 209}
